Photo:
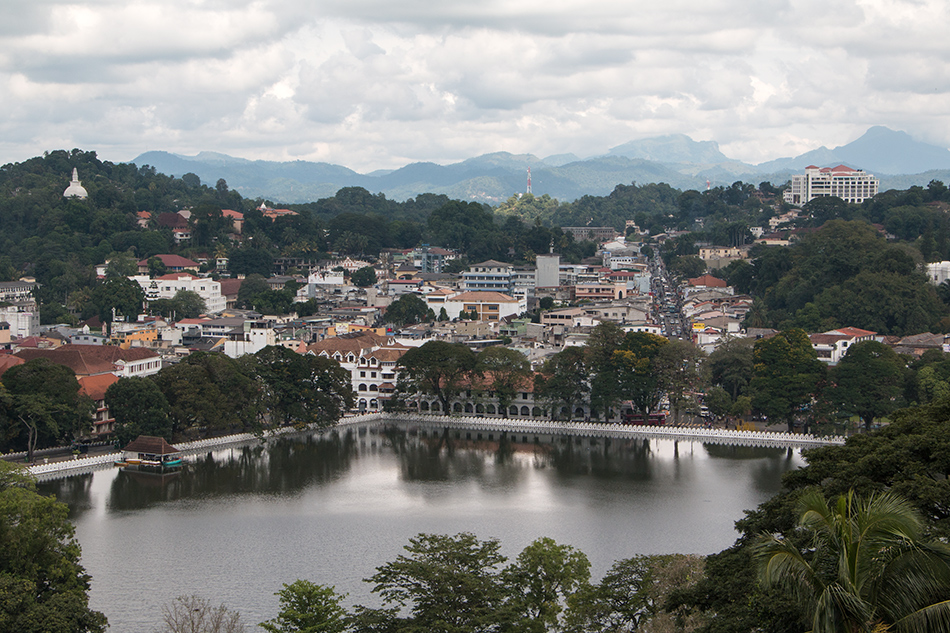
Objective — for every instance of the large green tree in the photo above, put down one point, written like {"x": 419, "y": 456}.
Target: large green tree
{"x": 208, "y": 392}
{"x": 564, "y": 382}
{"x": 139, "y": 408}
{"x": 449, "y": 584}
{"x": 43, "y": 402}
{"x": 541, "y": 580}
{"x": 301, "y": 389}
{"x": 118, "y": 297}
{"x": 503, "y": 372}
{"x": 868, "y": 381}
{"x": 43, "y": 586}
{"x": 406, "y": 310}
{"x": 638, "y": 374}
{"x": 438, "y": 368}
{"x": 866, "y": 566}
{"x": 307, "y": 607}
{"x": 786, "y": 374}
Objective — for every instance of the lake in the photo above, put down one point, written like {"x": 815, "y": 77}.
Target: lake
{"x": 234, "y": 524}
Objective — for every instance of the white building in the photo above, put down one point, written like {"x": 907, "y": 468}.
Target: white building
{"x": 166, "y": 286}
{"x": 851, "y": 185}
{"x": 23, "y": 318}
{"x": 938, "y": 272}
{"x": 490, "y": 306}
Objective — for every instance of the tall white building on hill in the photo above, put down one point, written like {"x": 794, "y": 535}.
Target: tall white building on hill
{"x": 851, "y": 185}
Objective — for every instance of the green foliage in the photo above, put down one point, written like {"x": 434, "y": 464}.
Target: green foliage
{"x": 406, "y": 310}
{"x": 543, "y": 578}
{"x": 306, "y": 607}
{"x": 504, "y": 372}
{"x": 865, "y": 566}
{"x": 139, "y": 408}
{"x": 868, "y": 381}
{"x": 118, "y": 296}
{"x": 637, "y": 372}
{"x": 786, "y": 374}
{"x": 730, "y": 365}
{"x": 563, "y": 382}
{"x": 186, "y": 304}
{"x": 301, "y": 389}
{"x": 443, "y": 583}
{"x": 41, "y": 406}
{"x": 208, "y": 392}
{"x": 364, "y": 277}
{"x": 43, "y": 586}
{"x": 633, "y": 596}
{"x": 438, "y": 368}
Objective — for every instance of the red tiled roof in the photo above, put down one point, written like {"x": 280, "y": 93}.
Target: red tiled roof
{"x": 230, "y": 286}
{"x": 88, "y": 360}
{"x": 95, "y": 386}
{"x": 172, "y": 261}
{"x": 709, "y": 281}
{"x": 7, "y": 361}
{"x": 177, "y": 276}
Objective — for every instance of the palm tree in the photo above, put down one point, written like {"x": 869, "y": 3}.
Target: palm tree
{"x": 866, "y": 568}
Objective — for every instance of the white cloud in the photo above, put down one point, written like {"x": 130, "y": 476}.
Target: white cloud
{"x": 375, "y": 84}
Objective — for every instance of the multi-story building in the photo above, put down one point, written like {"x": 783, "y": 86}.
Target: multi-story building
{"x": 489, "y": 276}
{"x": 371, "y": 360}
{"x": 166, "y": 286}
{"x": 851, "y": 185}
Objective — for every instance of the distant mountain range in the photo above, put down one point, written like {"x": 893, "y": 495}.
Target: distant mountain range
{"x": 894, "y": 157}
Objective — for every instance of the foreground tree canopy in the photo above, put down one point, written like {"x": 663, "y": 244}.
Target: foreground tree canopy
{"x": 43, "y": 587}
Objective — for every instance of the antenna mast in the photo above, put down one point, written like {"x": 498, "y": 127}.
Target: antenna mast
{"x": 529, "y": 181}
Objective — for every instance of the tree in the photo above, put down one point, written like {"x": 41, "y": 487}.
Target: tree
{"x": 306, "y": 607}
{"x": 505, "y": 371}
{"x": 252, "y": 286}
{"x": 444, "y": 583}
{"x": 44, "y": 398}
{"x": 194, "y": 614}
{"x": 542, "y": 579}
{"x": 731, "y": 366}
{"x": 604, "y": 340}
{"x": 635, "y": 364}
{"x": 564, "y": 381}
{"x": 208, "y": 391}
{"x": 407, "y": 309}
{"x": 44, "y": 587}
{"x": 868, "y": 381}
{"x": 302, "y": 388}
{"x": 633, "y": 595}
{"x": 785, "y": 376}
{"x": 439, "y": 368}
{"x": 364, "y": 277}
{"x": 139, "y": 408}
{"x": 678, "y": 366}
{"x": 866, "y": 566}
{"x": 118, "y": 296}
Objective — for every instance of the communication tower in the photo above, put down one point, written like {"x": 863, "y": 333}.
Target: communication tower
{"x": 529, "y": 181}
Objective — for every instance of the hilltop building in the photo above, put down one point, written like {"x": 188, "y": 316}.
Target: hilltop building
{"x": 851, "y": 185}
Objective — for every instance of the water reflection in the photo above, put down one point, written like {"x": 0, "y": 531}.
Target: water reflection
{"x": 288, "y": 466}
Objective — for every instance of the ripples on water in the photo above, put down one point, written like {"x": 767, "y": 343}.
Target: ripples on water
{"x": 235, "y": 524}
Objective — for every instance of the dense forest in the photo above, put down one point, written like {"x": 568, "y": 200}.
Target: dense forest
{"x": 849, "y": 261}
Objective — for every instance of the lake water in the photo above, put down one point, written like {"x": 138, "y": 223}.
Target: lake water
{"x": 236, "y": 523}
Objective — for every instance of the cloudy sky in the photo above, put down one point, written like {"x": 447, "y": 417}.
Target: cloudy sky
{"x": 379, "y": 83}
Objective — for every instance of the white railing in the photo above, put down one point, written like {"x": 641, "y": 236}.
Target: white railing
{"x": 595, "y": 429}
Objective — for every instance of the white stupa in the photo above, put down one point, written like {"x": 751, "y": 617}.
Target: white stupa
{"x": 75, "y": 188}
